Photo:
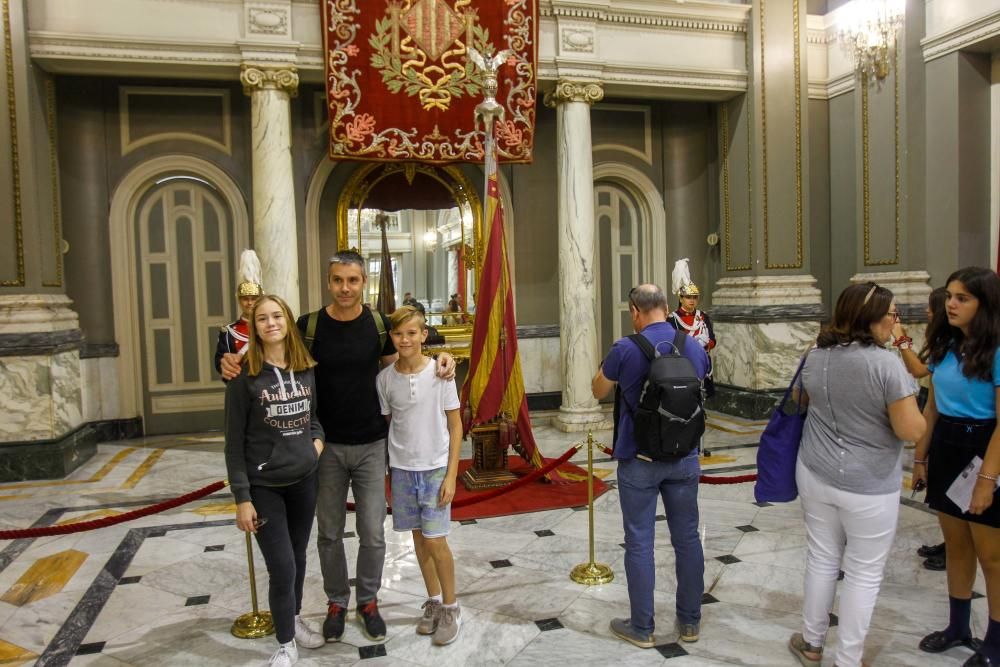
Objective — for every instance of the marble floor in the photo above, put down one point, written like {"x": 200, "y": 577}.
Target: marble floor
{"x": 165, "y": 589}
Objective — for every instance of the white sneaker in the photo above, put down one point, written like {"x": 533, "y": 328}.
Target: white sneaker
{"x": 306, "y": 636}
{"x": 286, "y": 655}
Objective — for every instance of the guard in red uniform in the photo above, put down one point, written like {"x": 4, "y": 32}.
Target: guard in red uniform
{"x": 234, "y": 336}
{"x": 692, "y": 321}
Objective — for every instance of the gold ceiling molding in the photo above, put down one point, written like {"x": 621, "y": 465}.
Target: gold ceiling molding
{"x": 269, "y": 78}
{"x": 574, "y": 91}
{"x": 726, "y": 204}
{"x": 646, "y": 19}
{"x": 57, "y": 240}
{"x": 866, "y": 168}
{"x": 796, "y": 73}
{"x": 15, "y": 166}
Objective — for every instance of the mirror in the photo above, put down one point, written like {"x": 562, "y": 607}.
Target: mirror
{"x": 432, "y": 218}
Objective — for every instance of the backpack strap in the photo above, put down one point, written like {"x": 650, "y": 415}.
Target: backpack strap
{"x": 644, "y": 345}
{"x": 311, "y": 324}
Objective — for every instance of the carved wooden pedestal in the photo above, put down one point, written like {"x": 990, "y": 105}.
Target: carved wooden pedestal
{"x": 489, "y": 460}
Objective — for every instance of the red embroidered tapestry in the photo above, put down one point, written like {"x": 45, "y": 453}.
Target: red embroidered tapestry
{"x": 400, "y": 85}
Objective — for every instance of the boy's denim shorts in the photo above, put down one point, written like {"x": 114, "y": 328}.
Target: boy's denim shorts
{"x": 415, "y": 502}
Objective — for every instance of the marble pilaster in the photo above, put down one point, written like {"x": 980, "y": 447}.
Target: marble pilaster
{"x": 577, "y": 287}
{"x": 274, "y": 221}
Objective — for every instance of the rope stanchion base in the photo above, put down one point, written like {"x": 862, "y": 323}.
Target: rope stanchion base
{"x": 253, "y": 625}
{"x": 592, "y": 574}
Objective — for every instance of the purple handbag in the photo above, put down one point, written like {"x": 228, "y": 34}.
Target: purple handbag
{"x": 779, "y": 448}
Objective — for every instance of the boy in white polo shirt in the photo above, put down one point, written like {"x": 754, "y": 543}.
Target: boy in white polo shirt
{"x": 425, "y": 437}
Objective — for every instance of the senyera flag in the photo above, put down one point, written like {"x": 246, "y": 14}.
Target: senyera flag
{"x": 400, "y": 84}
{"x": 495, "y": 385}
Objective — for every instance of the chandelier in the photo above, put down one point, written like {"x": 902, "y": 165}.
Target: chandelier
{"x": 868, "y": 34}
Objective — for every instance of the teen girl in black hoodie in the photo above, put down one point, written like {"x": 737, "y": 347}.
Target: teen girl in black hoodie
{"x": 273, "y": 443}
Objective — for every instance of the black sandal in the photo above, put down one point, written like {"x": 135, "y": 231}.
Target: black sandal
{"x": 937, "y": 642}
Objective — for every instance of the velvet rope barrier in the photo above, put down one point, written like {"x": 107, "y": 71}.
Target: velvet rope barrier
{"x": 706, "y": 479}
{"x": 68, "y": 528}
{"x": 527, "y": 479}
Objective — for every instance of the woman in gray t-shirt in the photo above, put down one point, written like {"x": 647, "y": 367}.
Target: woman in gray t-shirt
{"x": 861, "y": 410}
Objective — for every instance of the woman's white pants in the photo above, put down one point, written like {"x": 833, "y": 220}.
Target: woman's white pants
{"x": 850, "y": 532}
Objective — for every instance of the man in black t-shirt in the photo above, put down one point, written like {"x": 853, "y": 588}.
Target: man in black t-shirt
{"x": 350, "y": 349}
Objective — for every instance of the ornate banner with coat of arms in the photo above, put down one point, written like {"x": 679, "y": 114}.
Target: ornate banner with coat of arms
{"x": 401, "y": 86}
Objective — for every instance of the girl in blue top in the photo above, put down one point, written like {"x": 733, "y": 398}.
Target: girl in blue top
{"x": 962, "y": 424}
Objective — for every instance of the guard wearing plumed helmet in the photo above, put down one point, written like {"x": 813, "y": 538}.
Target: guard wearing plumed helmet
{"x": 688, "y": 317}
{"x": 233, "y": 337}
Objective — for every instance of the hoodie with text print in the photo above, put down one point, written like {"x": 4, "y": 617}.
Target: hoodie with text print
{"x": 270, "y": 426}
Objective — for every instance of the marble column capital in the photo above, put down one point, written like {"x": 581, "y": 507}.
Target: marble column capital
{"x": 256, "y": 78}
{"x": 574, "y": 91}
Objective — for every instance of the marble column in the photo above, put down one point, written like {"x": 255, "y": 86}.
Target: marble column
{"x": 274, "y": 222}
{"x": 578, "y": 314}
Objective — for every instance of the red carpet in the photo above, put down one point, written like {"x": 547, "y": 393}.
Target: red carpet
{"x": 534, "y": 497}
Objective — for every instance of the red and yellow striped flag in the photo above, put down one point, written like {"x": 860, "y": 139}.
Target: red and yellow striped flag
{"x": 495, "y": 385}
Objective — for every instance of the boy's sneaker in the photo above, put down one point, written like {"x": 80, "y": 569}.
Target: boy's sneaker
{"x": 286, "y": 655}
{"x": 306, "y": 636}
{"x": 429, "y": 621}
{"x": 622, "y": 628}
{"x": 371, "y": 621}
{"x": 449, "y": 622}
{"x": 687, "y": 632}
{"x": 333, "y": 626}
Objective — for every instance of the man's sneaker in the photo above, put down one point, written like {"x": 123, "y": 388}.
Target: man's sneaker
{"x": 429, "y": 621}
{"x": 333, "y": 626}
{"x": 371, "y": 621}
{"x": 623, "y": 629}
{"x": 449, "y": 622}
{"x": 286, "y": 655}
{"x": 306, "y": 636}
{"x": 687, "y": 632}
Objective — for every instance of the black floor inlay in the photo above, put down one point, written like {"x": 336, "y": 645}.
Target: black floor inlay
{"x": 621, "y": 544}
{"x": 468, "y": 522}
{"x": 544, "y": 533}
{"x": 349, "y": 534}
{"x": 90, "y": 649}
{"x": 976, "y": 596}
{"x": 373, "y": 651}
{"x": 581, "y": 508}
{"x": 196, "y": 600}
{"x": 708, "y": 598}
{"x": 549, "y": 624}
{"x": 728, "y": 559}
{"x": 500, "y": 563}
{"x": 747, "y": 529}
{"x": 834, "y": 621}
{"x": 840, "y": 576}
{"x": 216, "y": 547}
{"x": 128, "y": 580}
{"x": 661, "y": 517}
{"x": 763, "y": 504}
{"x": 156, "y": 533}
{"x": 352, "y": 582}
{"x": 673, "y": 650}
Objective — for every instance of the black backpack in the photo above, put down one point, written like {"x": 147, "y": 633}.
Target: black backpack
{"x": 669, "y": 419}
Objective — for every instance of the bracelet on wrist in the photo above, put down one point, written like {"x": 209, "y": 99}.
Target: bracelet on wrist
{"x": 922, "y": 462}
{"x": 903, "y": 342}
{"x": 983, "y": 475}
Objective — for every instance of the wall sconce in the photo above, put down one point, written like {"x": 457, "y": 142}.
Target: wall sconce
{"x": 868, "y": 35}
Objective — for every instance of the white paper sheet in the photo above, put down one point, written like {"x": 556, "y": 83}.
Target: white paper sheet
{"x": 960, "y": 491}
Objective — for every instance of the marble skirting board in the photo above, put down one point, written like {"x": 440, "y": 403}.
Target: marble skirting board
{"x": 47, "y": 459}
{"x": 743, "y": 402}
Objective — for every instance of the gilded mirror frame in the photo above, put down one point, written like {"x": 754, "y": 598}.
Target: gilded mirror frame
{"x": 349, "y": 233}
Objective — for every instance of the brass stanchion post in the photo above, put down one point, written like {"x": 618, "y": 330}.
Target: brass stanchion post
{"x": 253, "y": 624}
{"x": 591, "y": 573}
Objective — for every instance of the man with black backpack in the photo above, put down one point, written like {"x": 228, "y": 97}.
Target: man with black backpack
{"x": 659, "y": 420}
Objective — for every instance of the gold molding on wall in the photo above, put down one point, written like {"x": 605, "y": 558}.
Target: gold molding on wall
{"x": 726, "y": 206}
{"x": 796, "y": 73}
{"x": 866, "y": 169}
{"x": 15, "y": 167}
{"x": 128, "y": 145}
{"x": 50, "y": 120}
